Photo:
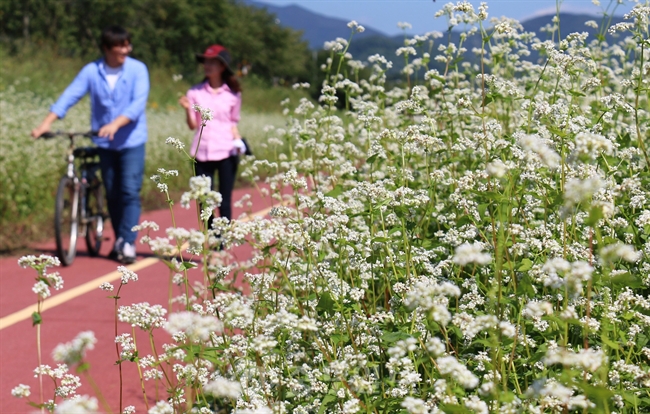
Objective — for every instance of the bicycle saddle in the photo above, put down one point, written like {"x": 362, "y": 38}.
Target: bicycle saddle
{"x": 85, "y": 152}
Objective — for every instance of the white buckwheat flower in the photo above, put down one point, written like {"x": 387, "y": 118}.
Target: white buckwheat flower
{"x": 127, "y": 275}
{"x": 176, "y": 143}
{"x": 41, "y": 262}
{"x": 41, "y": 289}
{"x": 206, "y": 113}
{"x": 415, "y": 405}
{"x": 81, "y": 404}
{"x": 496, "y": 169}
{"x": 21, "y": 391}
{"x": 577, "y": 191}
{"x": 535, "y": 145}
{"x": 449, "y": 365}
{"x": 200, "y": 190}
{"x": 73, "y": 352}
{"x": 107, "y": 287}
{"x": 221, "y": 387}
{"x": 619, "y": 251}
{"x": 196, "y": 328}
{"x": 468, "y": 253}
{"x": 162, "y": 407}
{"x": 142, "y": 315}
{"x": 587, "y": 359}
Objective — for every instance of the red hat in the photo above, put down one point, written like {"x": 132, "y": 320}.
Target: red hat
{"x": 215, "y": 51}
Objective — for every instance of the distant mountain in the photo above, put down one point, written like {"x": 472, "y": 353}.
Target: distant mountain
{"x": 362, "y": 48}
{"x": 317, "y": 29}
{"x": 569, "y": 23}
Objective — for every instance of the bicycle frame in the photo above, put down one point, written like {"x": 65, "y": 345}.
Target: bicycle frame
{"x": 80, "y": 185}
{"x": 79, "y": 199}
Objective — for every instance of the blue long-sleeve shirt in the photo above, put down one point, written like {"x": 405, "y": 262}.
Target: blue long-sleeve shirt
{"x": 128, "y": 98}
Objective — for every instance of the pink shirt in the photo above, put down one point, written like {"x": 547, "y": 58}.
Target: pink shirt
{"x": 217, "y": 139}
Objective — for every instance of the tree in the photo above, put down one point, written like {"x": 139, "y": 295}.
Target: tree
{"x": 165, "y": 32}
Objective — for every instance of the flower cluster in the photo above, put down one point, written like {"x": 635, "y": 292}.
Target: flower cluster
{"x": 73, "y": 352}
{"x": 472, "y": 240}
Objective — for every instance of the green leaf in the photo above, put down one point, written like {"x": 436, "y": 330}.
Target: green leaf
{"x": 454, "y": 409}
{"x": 439, "y": 79}
{"x": 36, "y": 319}
{"x": 331, "y": 397}
{"x": 488, "y": 99}
{"x": 339, "y": 338}
{"x": 526, "y": 264}
{"x": 609, "y": 342}
{"x": 599, "y": 395}
{"x": 84, "y": 367}
{"x": 187, "y": 265}
{"x": 525, "y": 286}
{"x": 325, "y": 304}
{"x": 507, "y": 396}
{"x": 498, "y": 197}
{"x": 267, "y": 250}
{"x": 335, "y": 192}
{"x": 627, "y": 279}
{"x": 631, "y": 398}
{"x": 595, "y": 214}
{"x": 485, "y": 342}
{"x": 392, "y": 337}
{"x": 482, "y": 208}
{"x": 371, "y": 159}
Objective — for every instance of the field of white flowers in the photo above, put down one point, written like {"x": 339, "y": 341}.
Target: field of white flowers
{"x": 474, "y": 242}
{"x": 29, "y": 170}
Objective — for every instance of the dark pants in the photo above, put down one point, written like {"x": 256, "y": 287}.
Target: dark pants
{"x": 227, "y": 170}
{"x": 122, "y": 172}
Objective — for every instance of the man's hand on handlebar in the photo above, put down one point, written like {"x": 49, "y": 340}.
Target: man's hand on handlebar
{"x": 108, "y": 131}
{"x": 37, "y": 132}
{"x": 45, "y": 126}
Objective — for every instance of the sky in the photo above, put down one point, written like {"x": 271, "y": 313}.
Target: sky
{"x": 383, "y": 15}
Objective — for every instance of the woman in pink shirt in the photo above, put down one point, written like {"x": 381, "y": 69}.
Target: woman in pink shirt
{"x": 220, "y": 143}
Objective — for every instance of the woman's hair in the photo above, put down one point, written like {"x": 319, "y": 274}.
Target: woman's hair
{"x": 114, "y": 36}
{"x": 229, "y": 78}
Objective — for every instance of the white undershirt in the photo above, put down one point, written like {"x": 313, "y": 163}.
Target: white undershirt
{"x": 112, "y": 75}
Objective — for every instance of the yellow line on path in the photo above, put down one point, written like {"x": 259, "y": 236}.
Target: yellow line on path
{"x": 72, "y": 293}
{"x": 90, "y": 286}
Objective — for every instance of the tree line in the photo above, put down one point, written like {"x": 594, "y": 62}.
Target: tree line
{"x": 165, "y": 32}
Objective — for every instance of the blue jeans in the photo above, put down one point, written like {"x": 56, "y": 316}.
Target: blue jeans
{"x": 122, "y": 172}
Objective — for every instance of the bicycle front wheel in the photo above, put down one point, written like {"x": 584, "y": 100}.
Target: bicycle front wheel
{"x": 66, "y": 220}
{"x": 95, "y": 203}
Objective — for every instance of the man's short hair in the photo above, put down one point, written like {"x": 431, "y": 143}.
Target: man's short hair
{"x": 114, "y": 36}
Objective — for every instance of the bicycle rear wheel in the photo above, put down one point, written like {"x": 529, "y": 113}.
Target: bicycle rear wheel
{"x": 95, "y": 203}
{"x": 66, "y": 220}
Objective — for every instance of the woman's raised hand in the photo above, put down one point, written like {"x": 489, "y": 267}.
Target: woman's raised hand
{"x": 185, "y": 103}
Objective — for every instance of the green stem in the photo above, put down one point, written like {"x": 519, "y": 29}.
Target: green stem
{"x": 137, "y": 364}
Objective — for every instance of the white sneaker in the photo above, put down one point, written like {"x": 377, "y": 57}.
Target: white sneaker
{"x": 117, "y": 249}
{"x": 128, "y": 253}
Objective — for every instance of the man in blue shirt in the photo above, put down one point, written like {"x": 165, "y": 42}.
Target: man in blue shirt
{"x": 118, "y": 86}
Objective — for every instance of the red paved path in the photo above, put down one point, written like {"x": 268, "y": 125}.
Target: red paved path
{"x": 92, "y": 311}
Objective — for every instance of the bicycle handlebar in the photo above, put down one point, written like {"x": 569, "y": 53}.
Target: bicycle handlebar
{"x": 52, "y": 134}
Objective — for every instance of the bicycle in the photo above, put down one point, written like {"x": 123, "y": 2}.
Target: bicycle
{"x": 80, "y": 203}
